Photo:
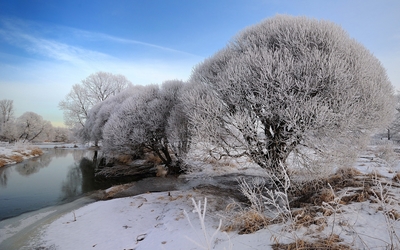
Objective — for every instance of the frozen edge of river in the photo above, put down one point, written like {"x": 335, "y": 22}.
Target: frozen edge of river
{"x": 17, "y": 231}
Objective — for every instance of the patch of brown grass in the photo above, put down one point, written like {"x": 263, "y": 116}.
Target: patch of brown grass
{"x": 153, "y": 158}
{"x": 247, "y": 221}
{"x": 16, "y": 158}
{"x": 309, "y": 216}
{"x": 344, "y": 177}
{"x": 161, "y": 171}
{"x": 394, "y": 214}
{"x": 331, "y": 243}
{"x": 396, "y": 177}
{"x": 317, "y": 191}
{"x": 327, "y": 195}
{"x": 36, "y": 151}
{"x": 175, "y": 198}
{"x": 116, "y": 189}
{"x": 124, "y": 159}
{"x": 359, "y": 196}
{"x": 2, "y": 162}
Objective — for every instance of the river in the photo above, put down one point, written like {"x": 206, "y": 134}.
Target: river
{"x": 56, "y": 177}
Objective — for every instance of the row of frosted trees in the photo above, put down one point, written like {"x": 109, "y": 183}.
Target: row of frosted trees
{"x": 141, "y": 119}
{"x": 287, "y": 88}
{"x": 28, "y": 127}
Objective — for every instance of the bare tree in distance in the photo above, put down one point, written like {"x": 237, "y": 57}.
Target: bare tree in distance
{"x": 289, "y": 86}
{"x": 6, "y": 110}
{"x": 94, "y": 89}
{"x": 6, "y": 117}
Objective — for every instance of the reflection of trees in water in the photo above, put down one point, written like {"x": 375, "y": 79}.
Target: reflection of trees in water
{"x": 4, "y": 171}
{"x": 87, "y": 169}
{"x": 71, "y": 187}
{"x": 80, "y": 179}
{"x": 61, "y": 152}
{"x": 33, "y": 165}
{"x": 78, "y": 154}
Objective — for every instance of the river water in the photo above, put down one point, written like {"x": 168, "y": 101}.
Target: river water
{"x": 56, "y": 177}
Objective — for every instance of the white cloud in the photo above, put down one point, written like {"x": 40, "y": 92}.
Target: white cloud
{"x": 18, "y": 35}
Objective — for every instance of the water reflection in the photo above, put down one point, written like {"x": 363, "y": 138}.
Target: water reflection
{"x": 71, "y": 187}
{"x": 33, "y": 166}
{"x": 3, "y": 176}
{"x": 58, "y": 176}
{"x": 61, "y": 152}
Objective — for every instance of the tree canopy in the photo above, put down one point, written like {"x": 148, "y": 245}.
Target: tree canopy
{"x": 94, "y": 89}
{"x": 289, "y": 85}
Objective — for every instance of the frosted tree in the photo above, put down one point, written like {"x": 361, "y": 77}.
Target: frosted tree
{"x": 178, "y": 126}
{"x": 94, "y": 89}
{"x": 29, "y": 126}
{"x": 394, "y": 128}
{"x": 141, "y": 123}
{"x": 48, "y": 132}
{"x": 289, "y": 86}
{"x": 8, "y": 131}
{"x": 101, "y": 112}
{"x": 61, "y": 134}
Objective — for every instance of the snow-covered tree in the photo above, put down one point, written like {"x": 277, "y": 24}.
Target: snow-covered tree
{"x": 29, "y": 126}
{"x": 289, "y": 86}
{"x": 61, "y": 134}
{"x": 100, "y": 113}
{"x": 178, "y": 126}
{"x": 392, "y": 131}
{"x": 94, "y": 89}
{"x": 48, "y": 132}
{"x": 141, "y": 123}
{"x": 9, "y": 131}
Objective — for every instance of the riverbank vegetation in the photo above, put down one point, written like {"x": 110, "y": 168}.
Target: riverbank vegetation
{"x": 287, "y": 91}
{"x": 15, "y": 153}
{"x": 29, "y": 127}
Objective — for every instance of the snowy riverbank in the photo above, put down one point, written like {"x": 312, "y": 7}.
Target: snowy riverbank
{"x": 15, "y": 153}
{"x": 362, "y": 214}
{"x": 12, "y": 153}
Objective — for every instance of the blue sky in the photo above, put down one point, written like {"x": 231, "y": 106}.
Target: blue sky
{"x": 46, "y": 46}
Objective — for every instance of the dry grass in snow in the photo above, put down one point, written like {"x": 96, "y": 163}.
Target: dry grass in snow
{"x": 15, "y": 153}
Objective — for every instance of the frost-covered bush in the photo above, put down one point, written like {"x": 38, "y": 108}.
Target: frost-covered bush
{"x": 289, "y": 85}
{"x": 92, "y": 131}
{"x": 142, "y": 123}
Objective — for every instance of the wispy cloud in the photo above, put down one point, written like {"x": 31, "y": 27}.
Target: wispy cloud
{"x": 18, "y": 33}
{"x": 106, "y": 37}
{"x": 33, "y": 38}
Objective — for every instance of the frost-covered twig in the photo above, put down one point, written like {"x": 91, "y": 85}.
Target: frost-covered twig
{"x": 384, "y": 200}
{"x": 253, "y": 192}
{"x": 202, "y": 214}
{"x": 277, "y": 200}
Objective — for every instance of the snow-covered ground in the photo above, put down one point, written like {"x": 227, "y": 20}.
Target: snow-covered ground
{"x": 361, "y": 217}
{"x": 14, "y": 153}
